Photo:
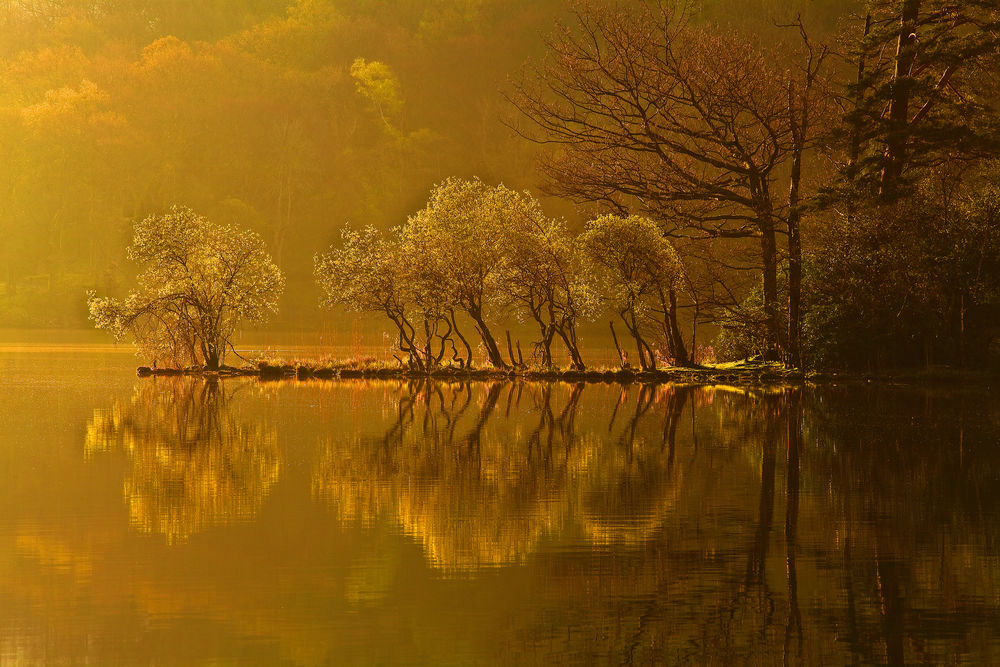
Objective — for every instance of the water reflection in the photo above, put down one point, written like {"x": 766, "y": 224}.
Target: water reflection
{"x": 557, "y": 522}
{"x": 887, "y": 552}
{"x": 196, "y": 460}
{"x": 914, "y": 487}
{"x": 480, "y": 475}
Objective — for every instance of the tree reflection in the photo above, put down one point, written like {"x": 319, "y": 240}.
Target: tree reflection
{"x": 887, "y": 552}
{"x": 649, "y": 524}
{"x": 913, "y": 479}
{"x": 195, "y": 459}
{"x": 793, "y": 624}
{"x": 479, "y": 490}
{"x": 627, "y": 488}
{"x": 446, "y": 474}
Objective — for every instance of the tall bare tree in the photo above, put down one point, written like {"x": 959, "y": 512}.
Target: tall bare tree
{"x": 689, "y": 125}
{"x": 807, "y": 99}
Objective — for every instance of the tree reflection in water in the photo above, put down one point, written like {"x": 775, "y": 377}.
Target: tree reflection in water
{"x": 913, "y": 478}
{"x": 888, "y": 551}
{"x": 196, "y": 460}
{"x": 636, "y": 525}
{"x": 479, "y": 489}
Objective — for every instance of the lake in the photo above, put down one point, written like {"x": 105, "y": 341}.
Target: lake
{"x": 179, "y": 521}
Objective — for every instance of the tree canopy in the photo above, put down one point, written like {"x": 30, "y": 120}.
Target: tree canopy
{"x": 472, "y": 254}
{"x": 638, "y": 274}
{"x": 200, "y": 283}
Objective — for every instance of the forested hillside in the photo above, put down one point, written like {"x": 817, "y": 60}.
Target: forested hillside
{"x": 287, "y": 118}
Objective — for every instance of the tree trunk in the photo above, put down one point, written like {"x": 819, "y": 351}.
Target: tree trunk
{"x": 694, "y": 333}
{"x": 899, "y": 103}
{"x": 681, "y": 357}
{"x": 769, "y": 261}
{"x": 650, "y": 356}
{"x": 407, "y": 344}
{"x": 572, "y": 346}
{"x": 621, "y": 353}
{"x": 545, "y": 344}
{"x": 510, "y": 350}
{"x": 548, "y": 331}
{"x": 799, "y": 129}
{"x": 640, "y": 344}
{"x": 468, "y": 348}
{"x": 492, "y": 349}
{"x": 961, "y": 331}
{"x": 211, "y": 358}
{"x": 859, "y": 96}
{"x": 428, "y": 356}
{"x": 794, "y": 291}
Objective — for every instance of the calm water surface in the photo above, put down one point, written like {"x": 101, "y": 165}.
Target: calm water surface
{"x": 184, "y": 522}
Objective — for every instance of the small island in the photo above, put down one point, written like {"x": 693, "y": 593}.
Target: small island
{"x": 747, "y": 372}
{"x": 474, "y": 259}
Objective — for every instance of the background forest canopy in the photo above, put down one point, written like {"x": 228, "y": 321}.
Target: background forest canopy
{"x": 292, "y": 118}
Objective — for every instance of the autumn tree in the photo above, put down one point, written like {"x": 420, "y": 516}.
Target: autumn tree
{"x": 200, "y": 284}
{"x": 458, "y": 239}
{"x": 689, "y": 125}
{"x": 638, "y": 274}
{"x": 372, "y": 272}
{"x": 543, "y": 279}
{"x": 473, "y": 250}
{"x": 364, "y": 276}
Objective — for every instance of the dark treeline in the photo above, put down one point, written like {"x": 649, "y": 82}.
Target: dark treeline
{"x": 826, "y": 175}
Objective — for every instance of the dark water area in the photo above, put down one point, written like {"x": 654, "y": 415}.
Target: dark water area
{"x": 179, "y": 521}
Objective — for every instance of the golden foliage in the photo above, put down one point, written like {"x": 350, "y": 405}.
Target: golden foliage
{"x": 195, "y": 459}
{"x": 477, "y": 492}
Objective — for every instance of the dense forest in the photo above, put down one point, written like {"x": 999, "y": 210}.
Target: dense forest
{"x": 841, "y": 208}
{"x": 289, "y": 120}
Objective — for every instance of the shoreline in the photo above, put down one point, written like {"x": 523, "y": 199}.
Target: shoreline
{"x": 759, "y": 374}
